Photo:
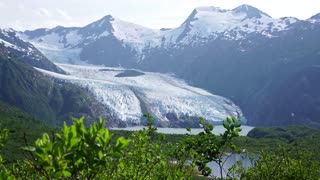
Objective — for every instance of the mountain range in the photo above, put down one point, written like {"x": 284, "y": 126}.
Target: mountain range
{"x": 129, "y": 44}
{"x": 56, "y": 95}
{"x": 269, "y": 67}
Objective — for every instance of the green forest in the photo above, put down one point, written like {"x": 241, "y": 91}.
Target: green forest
{"x": 32, "y": 150}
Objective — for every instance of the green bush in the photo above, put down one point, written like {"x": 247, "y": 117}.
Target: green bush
{"x": 80, "y": 152}
{"x": 282, "y": 165}
{"x": 77, "y": 153}
{"x": 208, "y": 147}
{"x": 89, "y": 153}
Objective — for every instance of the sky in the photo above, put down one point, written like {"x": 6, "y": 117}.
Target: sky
{"x": 156, "y": 14}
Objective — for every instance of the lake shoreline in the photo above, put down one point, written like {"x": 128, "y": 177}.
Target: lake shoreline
{"x": 218, "y": 129}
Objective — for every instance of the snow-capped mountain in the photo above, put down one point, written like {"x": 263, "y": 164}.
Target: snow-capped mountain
{"x": 207, "y": 23}
{"x": 242, "y": 54}
{"x": 128, "y": 94}
{"x": 11, "y": 45}
{"x": 73, "y": 44}
{"x": 116, "y": 39}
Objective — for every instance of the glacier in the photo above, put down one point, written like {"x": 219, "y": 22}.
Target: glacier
{"x": 166, "y": 97}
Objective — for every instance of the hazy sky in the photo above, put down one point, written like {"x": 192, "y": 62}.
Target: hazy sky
{"x": 31, "y": 14}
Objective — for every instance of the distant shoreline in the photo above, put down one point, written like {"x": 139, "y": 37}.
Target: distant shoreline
{"x": 217, "y": 130}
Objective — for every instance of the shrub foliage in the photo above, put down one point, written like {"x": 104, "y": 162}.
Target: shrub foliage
{"x": 80, "y": 152}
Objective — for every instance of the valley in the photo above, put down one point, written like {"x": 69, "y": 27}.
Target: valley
{"x": 113, "y": 99}
{"x": 242, "y": 54}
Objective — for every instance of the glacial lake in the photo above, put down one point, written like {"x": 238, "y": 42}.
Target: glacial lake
{"x": 217, "y": 130}
{"x": 230, "y": 160}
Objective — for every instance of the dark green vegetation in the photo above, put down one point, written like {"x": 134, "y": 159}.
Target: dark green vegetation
{"x": 94, "y": 153}
{"x": 283, "y": 165}
{"x": 265, "y": 139}
{"x": 22, "y": 128}
{"x": 293, "y": 138}
{"x": 77, "y": 152}
{"x": 45, "y": 98}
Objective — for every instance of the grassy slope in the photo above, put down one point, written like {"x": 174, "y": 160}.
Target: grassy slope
{"x": 19, "y": 124}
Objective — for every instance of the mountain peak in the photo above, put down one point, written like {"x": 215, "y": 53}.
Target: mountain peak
{"x": 244, "y": 7}
{"x": 57, "y": 28}
{"x": 203, "y": 10}
{"x": 250, "y": 11}
{"x": 209, "y": 9}
{"x": 107, "y": 17}
{"x": 104, "y": 22}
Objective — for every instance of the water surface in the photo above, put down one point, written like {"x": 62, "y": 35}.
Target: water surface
{"x": 217, "y": 130}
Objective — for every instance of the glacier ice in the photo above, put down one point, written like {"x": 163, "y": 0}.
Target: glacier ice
{"x": 128, "y": 98}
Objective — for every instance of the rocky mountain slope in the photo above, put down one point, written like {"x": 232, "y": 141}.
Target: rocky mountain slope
{"x": 11, "y": 44}
{"x": 242, "y": 54}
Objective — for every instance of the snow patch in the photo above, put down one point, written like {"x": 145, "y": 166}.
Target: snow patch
{"x": 104, "y": 34}
{"x": 73, "y": 38}
{"x": 9, "y": 45}
{"x": 136, "y": 36}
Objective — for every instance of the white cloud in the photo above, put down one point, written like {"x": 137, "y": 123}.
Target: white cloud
{"x": 21, "y": 7}
{"x": 64, "y": 14}
{"x": 44, "y": 12}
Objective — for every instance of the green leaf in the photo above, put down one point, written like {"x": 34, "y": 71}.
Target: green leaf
{"x": 100, "y": 154}
{"x": 74, "y": 141}
{"x": 58, "y": 135}
{"x": 60, "y": 151}
{"x": 233, "y": 147}
{"x": 122, "y": 143}
{"x": 101, "y": 121}
{"x": 66, "y": 173}
{"x": 235, "y": 133}
{"x": 237, "y": 125}
{"x": 234, "y": 120}
{"x": 210, "y": 127}
{"x": 229, "y": 120}
{"x": 45, "y": 138}
{"x": 201, "y": 122}
{"x": 225, "y": 125}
